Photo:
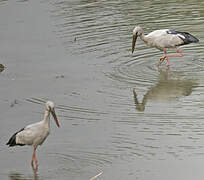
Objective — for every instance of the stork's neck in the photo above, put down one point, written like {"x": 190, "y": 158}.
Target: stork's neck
{"x": 144, "y": 38}
{"x": 47, "y": 117}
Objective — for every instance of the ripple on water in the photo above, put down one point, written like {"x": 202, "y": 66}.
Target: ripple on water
{"x": 78, "y": 163}
{"x": 78, "y": 113}
{"x": 158, "y": 109}
{"x": 105, "y": 27}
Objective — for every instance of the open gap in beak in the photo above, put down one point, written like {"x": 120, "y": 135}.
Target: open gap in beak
{"x": 134, "y": 42}
{"x": 55, "y": 117}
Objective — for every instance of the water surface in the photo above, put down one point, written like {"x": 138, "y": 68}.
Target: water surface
{"x": 119, "y": 113}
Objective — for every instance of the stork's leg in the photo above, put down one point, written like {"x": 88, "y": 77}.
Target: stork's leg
{"x": 167, "y": 60}
{"x": 162, "y": 58}
{"x": 176, "y": 55}
{"x": 34, "y": 159}
{"x": 173, "y": 55}
{"x": 166, "y": 56}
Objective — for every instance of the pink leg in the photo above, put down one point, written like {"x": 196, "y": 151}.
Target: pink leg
{"x": 176, "y": 55}
{"x": 34, "y": 158}
{"x": 162, "y": 58}
{"x": 166, "y": 56}
{"x": 167, "y": 60}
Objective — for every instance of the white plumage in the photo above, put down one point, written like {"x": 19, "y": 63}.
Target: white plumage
{"x": 164, "y": 39}
{"x": 35, "y": 134}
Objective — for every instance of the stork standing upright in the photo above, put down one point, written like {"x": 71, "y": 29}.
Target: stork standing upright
{"x": 164, "y": 39}
{"x": 35, "y": 134}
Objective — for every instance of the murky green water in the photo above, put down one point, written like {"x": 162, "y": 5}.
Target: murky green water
{"x": 119, "y": 113}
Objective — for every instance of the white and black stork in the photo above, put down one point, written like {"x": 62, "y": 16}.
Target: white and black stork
{"x": 164, "y": 39}
{"x": 35, "y": 134}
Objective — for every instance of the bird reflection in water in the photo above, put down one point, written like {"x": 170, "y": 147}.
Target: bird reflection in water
{"x": 19, "y": 176}
{"x": 2, "y": 67}
{"x": 167, "y": 88}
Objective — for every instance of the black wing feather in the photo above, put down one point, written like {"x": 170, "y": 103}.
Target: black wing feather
{"x": 188, "y": 38}
{"x": 12, "y": 140}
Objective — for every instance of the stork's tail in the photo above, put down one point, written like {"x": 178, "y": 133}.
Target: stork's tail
{"x": 12, "y": 140}
{"x": 187, "y": 38}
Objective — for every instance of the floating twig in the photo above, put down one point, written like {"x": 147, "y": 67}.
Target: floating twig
{"x": 96, "y": 176}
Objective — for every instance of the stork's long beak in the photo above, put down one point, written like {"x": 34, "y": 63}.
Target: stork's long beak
{"x": 134, "y": 42}
{"x": 55, "y": 117}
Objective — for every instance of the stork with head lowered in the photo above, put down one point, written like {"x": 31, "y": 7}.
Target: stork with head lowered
{"x": 164, "y": 39}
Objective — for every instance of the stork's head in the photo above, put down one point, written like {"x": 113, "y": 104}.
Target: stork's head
{"x": 50, "y": 108}
{"x": 137, "y": 31}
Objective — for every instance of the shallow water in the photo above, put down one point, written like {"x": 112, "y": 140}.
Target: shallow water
{"x": 119, "y": 113}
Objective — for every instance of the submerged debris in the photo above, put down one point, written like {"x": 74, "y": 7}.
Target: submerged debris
{"x": 2, "y": 67}
{"x": 59, "y": 76}
{"x": 14, "y": 103}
